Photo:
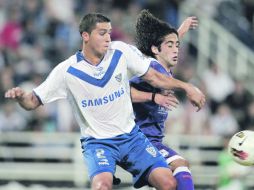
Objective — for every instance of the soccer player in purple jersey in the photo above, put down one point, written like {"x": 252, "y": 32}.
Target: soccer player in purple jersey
{"x": 159, "y": 41}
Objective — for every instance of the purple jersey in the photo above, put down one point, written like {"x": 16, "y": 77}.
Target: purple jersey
{"x": 150, "y": 116}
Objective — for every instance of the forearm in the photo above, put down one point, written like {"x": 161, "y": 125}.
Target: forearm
{"x": 159, "y": 80}
{"x": 180, "y": 33}
{"x": 140, "y": 96}
{"x": 189, "y": 23}
{"x": 171, "y": 83}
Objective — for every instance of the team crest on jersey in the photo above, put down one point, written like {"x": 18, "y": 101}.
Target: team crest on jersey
{"x": 119, "y": 77}
{"x": 99, "y": 68}
{"x": 151, "y": 150}
{"x": 99, "y": 72}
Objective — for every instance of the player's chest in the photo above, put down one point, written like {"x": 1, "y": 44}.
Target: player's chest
{"x": 98, "y": 81}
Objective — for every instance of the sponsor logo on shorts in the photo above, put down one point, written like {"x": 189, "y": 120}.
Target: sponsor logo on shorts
{"x": 102, "y": 158}
{"x": 151, "y": 150}
{"x": 164, "y": 153}
{"x": 103, "y": 162}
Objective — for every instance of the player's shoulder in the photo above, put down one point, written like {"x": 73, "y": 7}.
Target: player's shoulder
{"x": 123, "y": 47}
{"x": 75, "y": 58}
{"x": 153, "y": 59}
{"x": 157, "y": 66}
{"x": 118, "y": 45}
{"x": 154, "y": 62}
{"x": 65, "y": 64}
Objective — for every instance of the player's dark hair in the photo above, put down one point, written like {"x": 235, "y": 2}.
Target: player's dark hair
{"x": 151, "y": 31}
{"x": 90, "y": 20}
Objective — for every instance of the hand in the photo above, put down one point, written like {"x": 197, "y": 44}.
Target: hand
{"x": 168, "y": 101}
{"x": 28, "y": 101}
{"x": 189, "y": 23}
{"x": 15, "y": 93}
{"x": 196, "y": 97}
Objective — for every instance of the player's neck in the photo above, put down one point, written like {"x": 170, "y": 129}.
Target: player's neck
{"x": 90, "y": 56}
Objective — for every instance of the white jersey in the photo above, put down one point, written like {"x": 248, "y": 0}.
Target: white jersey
{"x": 99, "y": 95}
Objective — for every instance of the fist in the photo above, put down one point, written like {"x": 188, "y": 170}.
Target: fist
{"x": 14, "y": 93}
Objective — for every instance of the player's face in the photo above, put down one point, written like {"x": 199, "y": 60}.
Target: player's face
{"x": 168, "y": 54}
{"x": 99, "y": 39}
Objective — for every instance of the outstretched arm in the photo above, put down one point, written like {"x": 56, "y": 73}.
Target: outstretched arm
{"x": 189, "y": 23}
{"x": 28, "y": 101}
{"x": 169, "y": 101}
{"x": 156, "y": 79}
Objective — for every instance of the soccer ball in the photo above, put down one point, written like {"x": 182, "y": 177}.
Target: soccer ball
{"x": 241, "y": 147}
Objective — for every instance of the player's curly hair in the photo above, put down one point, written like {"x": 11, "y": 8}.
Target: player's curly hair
{"x": 150, "y": 31}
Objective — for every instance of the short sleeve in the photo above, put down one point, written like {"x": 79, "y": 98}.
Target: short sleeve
{"x": 137, "y": 63}
{"x": 54, "y": 87}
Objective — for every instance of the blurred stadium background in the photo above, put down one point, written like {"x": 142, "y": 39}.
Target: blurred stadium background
{"x": 40, "y": 150}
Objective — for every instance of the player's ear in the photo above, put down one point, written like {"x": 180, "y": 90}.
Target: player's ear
{"x": 155, "y": 50}
{"x": 85, "y": 36}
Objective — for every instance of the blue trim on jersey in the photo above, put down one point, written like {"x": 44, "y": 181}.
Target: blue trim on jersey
{"x": 79, "y": 56}
{"x": 94, "y": 81}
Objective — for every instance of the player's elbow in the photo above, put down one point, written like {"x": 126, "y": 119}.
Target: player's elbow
{"x": 155, "y": 83}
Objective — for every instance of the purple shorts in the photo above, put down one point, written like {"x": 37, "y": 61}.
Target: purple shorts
{"x": 169, "y": 154}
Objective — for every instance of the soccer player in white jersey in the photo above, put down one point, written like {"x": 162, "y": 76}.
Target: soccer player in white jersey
{"x": 96, "y": 83}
